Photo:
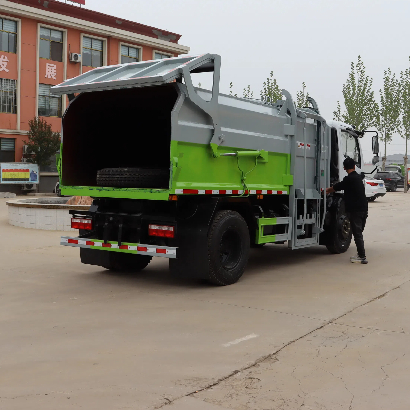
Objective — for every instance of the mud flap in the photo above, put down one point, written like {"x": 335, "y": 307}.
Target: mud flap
{"x": 192, "y": 258}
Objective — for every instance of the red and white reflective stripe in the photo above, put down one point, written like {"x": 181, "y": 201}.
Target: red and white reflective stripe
{"x": 153, "y": 250}
{"x": 228, "y": 192}
{"x": 302, "y": 145}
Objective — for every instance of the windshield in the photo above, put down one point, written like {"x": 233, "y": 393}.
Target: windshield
{"x": 350, "y": 147}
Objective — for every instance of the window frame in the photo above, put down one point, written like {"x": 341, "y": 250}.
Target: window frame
{"x": 18, "y": 20}
{"x": 161, "y": 52}
{"x": 60, "y": 98}
{"x": 120, "y": 44}
{"x": 357, "y": 147}
{"x": 1, "y": 151}
{"x": 104, "y": 40}
{"x": 62, "y": 31}
{"x": 65, "y": 59}
{"x": 15, "y": 96}
{"x": 17, "y": 33}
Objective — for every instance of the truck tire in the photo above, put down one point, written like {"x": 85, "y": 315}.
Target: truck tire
{"x": 340, "y": 233}
{"x": 120, "y": 262}
{"x": 133, "y": 177}
{"x": 228, "y": 248}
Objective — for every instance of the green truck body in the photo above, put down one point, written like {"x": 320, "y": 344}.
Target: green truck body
{"x": 194, "y": 175}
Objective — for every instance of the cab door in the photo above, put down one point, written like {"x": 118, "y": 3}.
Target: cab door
{"x": 349, "y": 147}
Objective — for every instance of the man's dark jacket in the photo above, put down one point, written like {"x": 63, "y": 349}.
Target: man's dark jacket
{"x": 354, "y": 192}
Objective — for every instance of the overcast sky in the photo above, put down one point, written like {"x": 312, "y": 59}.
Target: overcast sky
{"x": 300, "y": 40}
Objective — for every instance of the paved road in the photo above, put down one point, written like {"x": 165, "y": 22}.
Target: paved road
{"x": 301, "y": 330}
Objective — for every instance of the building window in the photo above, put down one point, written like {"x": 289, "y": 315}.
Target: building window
{"x": 8, "y": 96}
{"x": 160, "y": 56}
{"x": 49, "y": 105}
{"x": 8, "y": 35}
{"x": 7, "y": 149}
{"x": 92, "y": 52}
{"x": 129, "y": 54}
{"x": 51, "y": 44}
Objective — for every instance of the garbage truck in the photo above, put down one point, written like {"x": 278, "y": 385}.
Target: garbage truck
{"x": 196, "y": 176}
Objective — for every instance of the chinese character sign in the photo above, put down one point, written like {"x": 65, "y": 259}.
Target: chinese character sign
{"x": 51, "y": 71}
{"x": 19, "y": 173}
{"x": 3, "y": 63}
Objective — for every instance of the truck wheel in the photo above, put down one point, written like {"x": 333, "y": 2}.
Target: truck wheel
{"x": 340, "y": 232}
{"x": 133, "y": 177}
{"x": 119, "y": 262}
{"x": 228, "y": 248}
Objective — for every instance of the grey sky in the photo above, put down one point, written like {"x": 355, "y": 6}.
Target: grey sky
{"x": 300, "y": 40}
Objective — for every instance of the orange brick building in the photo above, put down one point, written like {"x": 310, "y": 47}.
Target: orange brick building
{"x": 44, "y": 42}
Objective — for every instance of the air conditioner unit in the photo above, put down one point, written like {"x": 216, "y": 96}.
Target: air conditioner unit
{"x": 75, "y": 57}
{"x": 25, "y": 149}
{"x": 28, "y": 187}
{"x": 23, "y": 159}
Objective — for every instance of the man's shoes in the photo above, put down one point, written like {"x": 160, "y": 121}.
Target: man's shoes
{"x": 358, "y": 259}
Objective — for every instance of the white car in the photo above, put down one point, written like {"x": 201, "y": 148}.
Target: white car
{"x": 374, "y": 188}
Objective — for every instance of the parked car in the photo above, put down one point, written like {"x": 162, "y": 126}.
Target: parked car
{"x": 392, "y": 180}
{"x": 57, "y": 189}
{"x": 374, "y": 188}
{"x": 393, "y": 168}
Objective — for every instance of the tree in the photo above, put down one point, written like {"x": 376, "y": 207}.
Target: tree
{"x": 361, "y": 107}
{"x": 404, "y": 128}
{"x": 302, "y": 97}
{"x": 231, "y": 90}
{"x": 247, "y": 93}
{"x": 271, "y": 92}
{"x": 42, "y": 142}
{"x": 388, "y": 118}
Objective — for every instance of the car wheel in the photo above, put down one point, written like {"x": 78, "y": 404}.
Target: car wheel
{"x": 394, "y": 188}
{"x": 57, "y": 190}
{"x": 371, "y": 199}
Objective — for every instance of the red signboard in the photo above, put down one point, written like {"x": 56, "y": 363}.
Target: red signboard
{"x": 78, "y": 1}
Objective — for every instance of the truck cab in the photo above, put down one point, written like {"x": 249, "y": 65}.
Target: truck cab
{"x": 345, "y": 142}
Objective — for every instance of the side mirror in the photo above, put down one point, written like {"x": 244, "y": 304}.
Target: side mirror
{"x": 375, "y": 160}
{"x": 375, "y": 145}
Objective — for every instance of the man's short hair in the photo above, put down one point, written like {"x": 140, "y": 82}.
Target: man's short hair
{"x": 349, "y": 163}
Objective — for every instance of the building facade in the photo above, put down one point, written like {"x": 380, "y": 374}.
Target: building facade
{"x": 43, "y": 43}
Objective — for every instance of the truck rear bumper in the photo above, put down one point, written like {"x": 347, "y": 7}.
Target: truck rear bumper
{"x": 135, "y": 248}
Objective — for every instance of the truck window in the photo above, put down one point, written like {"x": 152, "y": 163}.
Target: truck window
{"x": 350, "y": 147}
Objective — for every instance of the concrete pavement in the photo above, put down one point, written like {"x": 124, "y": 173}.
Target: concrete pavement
{"x": 302, "y": 329}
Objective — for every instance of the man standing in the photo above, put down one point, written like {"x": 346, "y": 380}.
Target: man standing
{"x": 356, "y": 206}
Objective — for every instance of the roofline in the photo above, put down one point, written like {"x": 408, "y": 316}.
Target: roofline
{"x": 64, "y": 20}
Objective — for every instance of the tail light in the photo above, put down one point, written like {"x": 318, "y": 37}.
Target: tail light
{"x": 163, "y": 231}
{"x": 388, "y": 179}
{"x": 372, "y": 183}
{"x": 83, "y": 223}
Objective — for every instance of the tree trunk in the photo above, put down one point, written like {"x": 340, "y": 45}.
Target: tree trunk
{"x": 385, "y": 154}
{"x": 406, "y": 176}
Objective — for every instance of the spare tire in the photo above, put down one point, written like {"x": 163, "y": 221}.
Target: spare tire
{"x": 133, "y": 177}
